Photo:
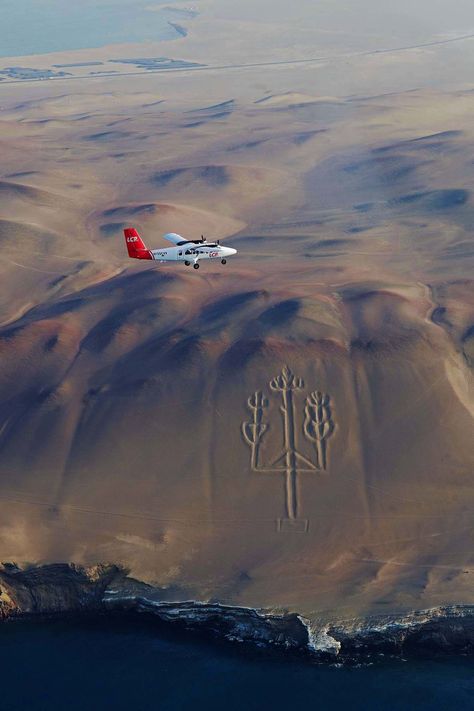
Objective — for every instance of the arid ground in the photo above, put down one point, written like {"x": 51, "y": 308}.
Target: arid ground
{"x": 293, "y": 430}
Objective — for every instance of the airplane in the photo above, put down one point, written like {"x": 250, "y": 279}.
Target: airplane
{"x": 184, "y": 250}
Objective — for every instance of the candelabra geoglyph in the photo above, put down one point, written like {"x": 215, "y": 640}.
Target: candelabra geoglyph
{"x": 317, "y": 427}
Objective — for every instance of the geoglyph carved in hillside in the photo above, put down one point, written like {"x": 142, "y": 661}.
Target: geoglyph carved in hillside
{"x": 317, "y": 426}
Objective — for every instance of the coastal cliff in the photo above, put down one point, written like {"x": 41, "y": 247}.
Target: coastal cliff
{"x": 61, "y": 589}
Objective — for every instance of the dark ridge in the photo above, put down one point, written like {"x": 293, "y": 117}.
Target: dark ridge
{"x": 468, "y": 346}
{"x": 230, "y": 304}
{"x": 58, "y": 280}
{"x": 313, "y": 255}
{"x": 435, "y": 199}
{"x": 440, "y": 134}
{"x": 181, "y": 353}
{"x": 149, "y": 352}
{"x": 209, "y": 117}
{"x": 281, "y": 313}
{"x": 432, "y": 138}
{"x": 42, "y": 311}
{"x": 355, "y": 294}
{"x": 153, "y": 356}
{"x": 356, "y": 231}
{"x": 139, "y": 283}
{"x": 301, "y": 138}
{"x": 164, "y": 177}
{"x": 43, "y": 395}
{"x": 145, "y": 280}
{"x": 249, "y": 144}
{"x": 111, "y": 228}
{"x": 213, "y": 175}
{"x": 148, "y": 208}
{"x": 333, "y": 243}
{"x": 220, "y": 114}
{"x": 164, "y": 350}
{"x": 106, "y": 136}
{"x": 468, "y": 334}
{"x": 364, "y": 207}
{"x": 439, "y": 316}
{"x": 123, "y": 388}
{"x": 241, "y": 353}
{"x": 117, "y": 122}
{"x": 227, "y": 105}
{"x": 57, "y": 309}
{"x": 50, "y": 343}
{"x": 384, "y": 346}
{"x": 40, "y": 122}
{"x": 25, "y": 191}
{"x": 387, "y": 168}
{"x": 102, "y": 334}
{"x": 399, "y": 173}
{"x": 91, "y": 394}
{"x": 23, "y": 174}
{"x": 10, "y": 332}
{"x": 182, "y": 31}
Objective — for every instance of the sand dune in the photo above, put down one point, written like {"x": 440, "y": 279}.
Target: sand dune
{"x": 9, "y": 191}
{"x": 15, "y": 236}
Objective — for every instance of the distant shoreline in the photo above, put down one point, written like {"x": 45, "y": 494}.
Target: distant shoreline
{"x": 146, "y": 26}
{"x": 194, "y": 66}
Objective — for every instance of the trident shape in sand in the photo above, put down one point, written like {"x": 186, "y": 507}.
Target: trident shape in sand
{"x": 317, "y": 428}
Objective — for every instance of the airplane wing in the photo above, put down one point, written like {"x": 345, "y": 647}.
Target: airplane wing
{"x": 174, "y": 238}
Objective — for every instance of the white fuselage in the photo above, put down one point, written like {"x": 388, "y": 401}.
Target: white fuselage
{"x": 192, "y": 252}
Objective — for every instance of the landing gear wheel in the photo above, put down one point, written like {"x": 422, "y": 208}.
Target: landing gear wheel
{"x": 223, "y": 261}
{"x": 187, "y": 263}
{"x": 196, "y": 266}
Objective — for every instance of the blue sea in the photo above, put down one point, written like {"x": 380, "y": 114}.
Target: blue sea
{"x": 139, "y": 665}
{"x": 42, "y": 26}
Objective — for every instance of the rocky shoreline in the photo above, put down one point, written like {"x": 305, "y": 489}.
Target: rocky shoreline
{"x": 64, "y": 589}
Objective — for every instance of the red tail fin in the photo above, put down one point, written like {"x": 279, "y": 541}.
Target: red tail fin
{"x": 135, "y": 245}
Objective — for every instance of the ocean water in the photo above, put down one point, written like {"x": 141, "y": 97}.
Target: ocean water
{"x": 41, "y": 26}
{"x": 137, "y": 664}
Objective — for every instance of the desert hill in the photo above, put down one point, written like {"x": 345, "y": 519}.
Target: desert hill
{"x": 292, "y": 430}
